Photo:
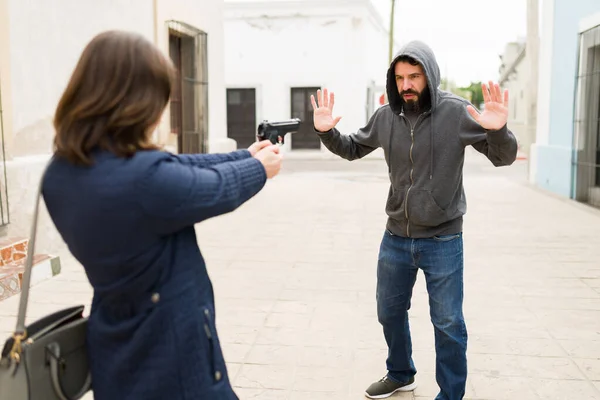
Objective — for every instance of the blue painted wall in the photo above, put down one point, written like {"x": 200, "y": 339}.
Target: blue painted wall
{"x": 555, "y": 169}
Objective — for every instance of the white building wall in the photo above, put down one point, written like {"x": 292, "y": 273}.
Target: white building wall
{"x": 206, "y": 15}
{"x": 45, "y": 39}
{"x": 274, "y": 47}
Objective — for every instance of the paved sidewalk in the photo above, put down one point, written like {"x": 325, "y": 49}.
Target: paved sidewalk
{"x": 294, "y": 275}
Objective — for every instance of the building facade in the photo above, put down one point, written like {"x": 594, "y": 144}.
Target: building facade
{"x": 515, "y": 76}
{"x": 278, "y": 53}
{"x": 565, "y": 158}
{"x": 40, "y": 43}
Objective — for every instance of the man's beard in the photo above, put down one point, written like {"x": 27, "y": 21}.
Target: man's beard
{"x": 418, "y": 105}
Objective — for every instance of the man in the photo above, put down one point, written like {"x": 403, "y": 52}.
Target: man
{"x": 423, "y": 132}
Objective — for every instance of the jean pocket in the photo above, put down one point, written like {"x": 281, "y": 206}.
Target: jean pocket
{"x": 446, "y": 238}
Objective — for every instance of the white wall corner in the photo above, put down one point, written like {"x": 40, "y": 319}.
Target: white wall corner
{"x": 589, "y": 22}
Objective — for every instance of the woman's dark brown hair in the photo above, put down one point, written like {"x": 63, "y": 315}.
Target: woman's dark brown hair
{"x": 117, "y": 93}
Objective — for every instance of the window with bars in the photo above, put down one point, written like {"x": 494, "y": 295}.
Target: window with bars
{"x": 587, "y": 118}
{"x": 189, "y": 101}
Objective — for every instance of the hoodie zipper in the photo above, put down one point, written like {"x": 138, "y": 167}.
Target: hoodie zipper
{"x": 412, "y": 168}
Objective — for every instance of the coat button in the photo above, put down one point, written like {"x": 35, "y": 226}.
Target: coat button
{"x": 218, "y": 375}
{"x": 155, "y": 298}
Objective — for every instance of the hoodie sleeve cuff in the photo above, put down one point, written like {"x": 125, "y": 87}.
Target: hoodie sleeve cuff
{"x": 499, "y": 136}
{"x": 322, "y": 133}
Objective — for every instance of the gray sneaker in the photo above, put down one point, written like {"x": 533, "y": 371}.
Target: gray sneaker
{"x": 385, "y": 387}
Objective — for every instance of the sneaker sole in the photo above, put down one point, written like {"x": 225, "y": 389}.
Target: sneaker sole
{"x": 407, "y": 388}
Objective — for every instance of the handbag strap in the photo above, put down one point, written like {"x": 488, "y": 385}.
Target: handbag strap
{"x": 20, "y": 329}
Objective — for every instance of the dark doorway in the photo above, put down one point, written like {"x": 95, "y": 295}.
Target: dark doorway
{"x": 241, "y": 116}
{"x": 189, "y": 100}
{"x": 305, "y": 138}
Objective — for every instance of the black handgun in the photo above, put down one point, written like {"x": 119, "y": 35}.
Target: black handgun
{"x": 278, "y": 129}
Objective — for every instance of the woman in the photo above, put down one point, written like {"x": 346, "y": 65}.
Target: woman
{"x": 127, "y": 212}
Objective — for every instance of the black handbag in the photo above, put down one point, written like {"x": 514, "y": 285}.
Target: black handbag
{"x": 46, "y": 360}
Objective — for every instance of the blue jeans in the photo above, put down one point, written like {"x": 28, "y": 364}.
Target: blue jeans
{"x": 441, "y": 259}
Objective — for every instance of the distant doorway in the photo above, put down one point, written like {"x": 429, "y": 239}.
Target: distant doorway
{"x": 241, "y": 116}
{"x": 305, "y": 138}
{"x": 189, "y": 101}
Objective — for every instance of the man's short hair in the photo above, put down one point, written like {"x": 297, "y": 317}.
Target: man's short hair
{"x": 408, "y": 59}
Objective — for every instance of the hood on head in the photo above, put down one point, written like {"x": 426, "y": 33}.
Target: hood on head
{"x": 424, "y": 55}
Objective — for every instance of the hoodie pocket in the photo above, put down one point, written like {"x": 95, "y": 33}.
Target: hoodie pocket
{"x": 394, "y": 207}
{"x": 423, "y": 210}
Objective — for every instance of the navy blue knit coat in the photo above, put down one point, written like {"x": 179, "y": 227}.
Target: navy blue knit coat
{"x": 130, "y": 223}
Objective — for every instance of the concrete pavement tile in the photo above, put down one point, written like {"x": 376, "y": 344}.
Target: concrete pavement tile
{"x": 254, "y": 266}
{"x": 237, "y": 334}
{"x": 524, "y": 366}
{"x": 303, "y": 295}
{"x": 597, "y": 384}
{"x": 592, "y": 282}
{"x": 591, "y": 274}
{"x": 339, "y": 296}
{"x": 232, "y": 370}
{"x": 322, "y": 379}
{"x": 370, "y": 360}
{"x": 561, "y": 323}
{"x": 560, "y": 303}
{"x": 258, "y": 376}
{"x": 528, "y": 281}
{"x": 343, "y": 310}
{"x": 273, "y": 355}
{"x": 261, "y": 394}
{"x": 244, "y": 290}
{"x": 550, "y": 389}
{"x": 590, "y": 367}
{"x": 424, "y": 361}
{"x": 281, "y": 336}
{"x": 581, "y": 348}
{"x": 549, "y": 291}
{"x": 242, "y": 318}
{"x": 369, "y": 336}
{"x": 504, "y": 327}
{"x": 319, "y": 396}
{"x": 299, "y": 321}
{"x": 335, "y": 357}
{"x": 227, "y": 305}
{"x": 267, "y": 277}
{"x": 235, "y": 352}
{"x": 321, "y": 266}
{"x": 514, "y": 346}
{"x": 293, "y": 307}
{"x": 328, "y": 337}
{"x": 503, "y": 388}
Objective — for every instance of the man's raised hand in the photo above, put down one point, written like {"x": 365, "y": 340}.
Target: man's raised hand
{"x": 323, "y": 111}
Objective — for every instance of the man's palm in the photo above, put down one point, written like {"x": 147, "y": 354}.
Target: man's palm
{"x": 495, "y": 113}
{"x": 323, "y": 111}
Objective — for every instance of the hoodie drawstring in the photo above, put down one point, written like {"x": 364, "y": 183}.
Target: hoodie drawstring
{"x": 390, "y": 145}
{"x": 431, "y": 146}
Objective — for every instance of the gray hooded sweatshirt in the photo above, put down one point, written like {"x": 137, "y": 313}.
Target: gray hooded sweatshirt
{"x": 425, "y": 159}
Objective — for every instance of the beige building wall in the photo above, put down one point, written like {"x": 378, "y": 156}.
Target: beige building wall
{"x": 40, "y": 45}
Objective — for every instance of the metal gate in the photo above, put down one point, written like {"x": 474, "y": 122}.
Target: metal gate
{"x": 189, "y": 103}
